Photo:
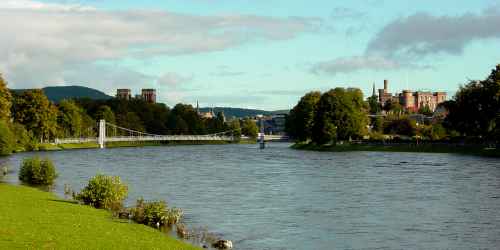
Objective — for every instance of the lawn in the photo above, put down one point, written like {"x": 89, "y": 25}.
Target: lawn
{"x": 30, "y": 218}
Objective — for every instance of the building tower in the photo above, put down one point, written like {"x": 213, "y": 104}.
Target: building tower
{"x": 124, "y": 94}
{"x": 149, "y": 95}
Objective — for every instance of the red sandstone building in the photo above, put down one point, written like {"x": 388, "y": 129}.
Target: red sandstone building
{"x": 412, "y": 100}
{"x": 149, "y": 95}
{"x": 125, "y": 94}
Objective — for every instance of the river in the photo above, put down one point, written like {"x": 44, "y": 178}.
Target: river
{"x": 279, "y": 198}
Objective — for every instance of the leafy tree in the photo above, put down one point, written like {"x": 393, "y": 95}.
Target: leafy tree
{"x": 7, "y": 139}
{"x": 130, "y": 120}
{"x": 374, "y": 105}
{"x": 234, "y": 125}
{"x": 105, "y": 113}
{"x": 249, "y": 128}
{"x": 400, "y": 126}
{"x": 24, "y": 139}
{"x": 475, "y": 109}
{"x": 340, "y": 110}
{"x": 70, "y": 118}
{"x": 5, "y": 100}
{"x": 299, "y": 123}
{"x": 393, "y": 107}
{"x": 33, "y": 110}
{"x": 378, "y": 124}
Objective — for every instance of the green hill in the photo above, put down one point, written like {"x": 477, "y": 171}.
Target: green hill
{"x": 59, "y": 93}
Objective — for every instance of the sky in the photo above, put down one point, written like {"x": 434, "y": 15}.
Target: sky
{"x": 261, "y": 54}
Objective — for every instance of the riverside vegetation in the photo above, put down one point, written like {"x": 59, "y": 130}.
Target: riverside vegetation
{"x": 469, "y": 123}
{"x": 102, "y": 192}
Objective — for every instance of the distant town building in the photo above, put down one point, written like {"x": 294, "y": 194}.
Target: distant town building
{"x": 205, "y": 115}
{"x": 410, "y": 100}
{"x": 149, "y": 95}
{"x": 125, "y": 94}
{"x": 274, "y": 124}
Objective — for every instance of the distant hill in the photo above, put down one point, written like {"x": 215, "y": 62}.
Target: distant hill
{"x": 241, "y": 112}
{"x": 59, "y": 93}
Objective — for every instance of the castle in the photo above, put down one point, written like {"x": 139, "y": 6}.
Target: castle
{"x": 148, "y": 95}
{"x": 409, "y": 100}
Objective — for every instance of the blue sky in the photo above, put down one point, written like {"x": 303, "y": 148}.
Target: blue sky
{"x": 248, "y": 53}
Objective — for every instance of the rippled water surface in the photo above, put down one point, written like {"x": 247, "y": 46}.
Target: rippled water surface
{"x": 280, "y": 198}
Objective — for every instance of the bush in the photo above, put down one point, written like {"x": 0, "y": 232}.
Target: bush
{"x": 102, "y": 191}
{"x": 155, "y": 213}
{"x": 7, "y": 139}
{"x": 37, "y": 171}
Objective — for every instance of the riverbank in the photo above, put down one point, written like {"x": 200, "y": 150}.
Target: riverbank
{"x": 59, "y": 147}
{"x": 402, "y": 147}
{"x": 30, "y": 218}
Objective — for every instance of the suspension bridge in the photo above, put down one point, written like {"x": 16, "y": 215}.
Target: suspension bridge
{"x": 108, "y": 132}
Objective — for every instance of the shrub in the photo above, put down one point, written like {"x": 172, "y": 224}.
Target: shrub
{"x": 102, "y": 191}
{"x": 155, "y": 213}
{"x": 37, "y": 171}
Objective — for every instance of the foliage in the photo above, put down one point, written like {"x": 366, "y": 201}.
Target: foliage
{"x": 37, "y": 171}
{"x": 377, "y": 124}
{"x": 71, "y": 119}
{"x": 23, "y": 138}
{"x": 340, "y": 111}
{"x": 234, "y": 125}
{"x": 7, "y": 138}
{"x": 249, "y": 128}
{"x": 393, "y": 107}
{"x": 475, "y": 108}
{"x": 105, "y": 113}
{"x": 105, "y": 192}
{"x": 155, "y": 213}
{"x": 400, "y": 126}
{"x": 374, "y": 105}
{"x": 38, "y": 115}
{"x": 5, "y": 100}
{"x": 299, "y": 123}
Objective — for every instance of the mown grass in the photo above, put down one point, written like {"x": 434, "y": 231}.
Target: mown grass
{"x": 33, "y": 219}
{"x": 402, "y": 147}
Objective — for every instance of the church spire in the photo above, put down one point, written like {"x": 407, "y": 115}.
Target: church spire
{"x": 374, "y": 93}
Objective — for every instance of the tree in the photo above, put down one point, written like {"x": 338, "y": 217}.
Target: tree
{"x": 5, "y": 100}
{"x": 400, "y": 126}
{"x": 70, "y": 119}
{"x": 393, "y": 106}
{"x": 340, "y": 110}
{"x": 374, "y": 105}
{"x": 475, "y": 108}
{"x": 377, "y": 124}
{"x": 7, "y": 139}
{"x": 299, "y": 123}
{"x": 249, "y": 128}
{"x": 38, "y": 115}
{"x": 234, "y": 125}
{"x": 105, "y": 113}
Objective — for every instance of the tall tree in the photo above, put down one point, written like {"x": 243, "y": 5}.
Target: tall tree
{"x": 105, "y": 113}
{"x": 475, "y": 108}
{"x": 38, "y": 115}
{"x": 70, "y": 119}
{"x": 299, "y": 123}
{"x": 340, "y": 115}
{"x": 249, "y": 128}
{"x": 5, "y": 100}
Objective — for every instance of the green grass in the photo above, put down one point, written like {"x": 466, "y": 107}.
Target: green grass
{"x": 404, "y": 147}
{"x": 30, "y": 218}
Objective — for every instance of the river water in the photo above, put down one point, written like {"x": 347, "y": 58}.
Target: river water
{"x": 279, "y": 198}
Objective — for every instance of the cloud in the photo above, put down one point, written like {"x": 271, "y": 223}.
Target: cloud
{"x": 354, "y": 64}
{"x": 43, "y": 43}
{"x": 347, "y": 13}
{"x": 422, "y": 34}
{"x": 173, "y": 80}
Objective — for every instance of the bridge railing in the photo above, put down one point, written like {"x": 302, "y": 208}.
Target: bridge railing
{"x": 75, "y": 140}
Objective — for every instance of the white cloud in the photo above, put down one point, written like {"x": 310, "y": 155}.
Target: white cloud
{"x": 43, "y": 43}
{"x": 354, "y": 64}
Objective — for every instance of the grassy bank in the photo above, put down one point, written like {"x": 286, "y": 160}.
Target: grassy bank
{"x": 30, "y": 218}
{"x": 402, "y": 147}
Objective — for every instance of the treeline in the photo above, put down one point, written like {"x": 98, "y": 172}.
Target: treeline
{"x": 29, "y": 118}
{"x": 341, "y": 114}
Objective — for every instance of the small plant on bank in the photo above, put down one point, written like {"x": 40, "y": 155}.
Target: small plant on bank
{"x": 37, "y": 171}
{"x": 107, "y": 192}
{"x": 155, "y": 213}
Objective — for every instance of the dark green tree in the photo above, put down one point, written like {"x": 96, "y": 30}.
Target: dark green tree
{"x": 70, "y": 119}
{"x": 400, "y": 126}
{"x": 299, "y": 123}
{"x": 105, "y": 113}
{"x": 374, "y": 105}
